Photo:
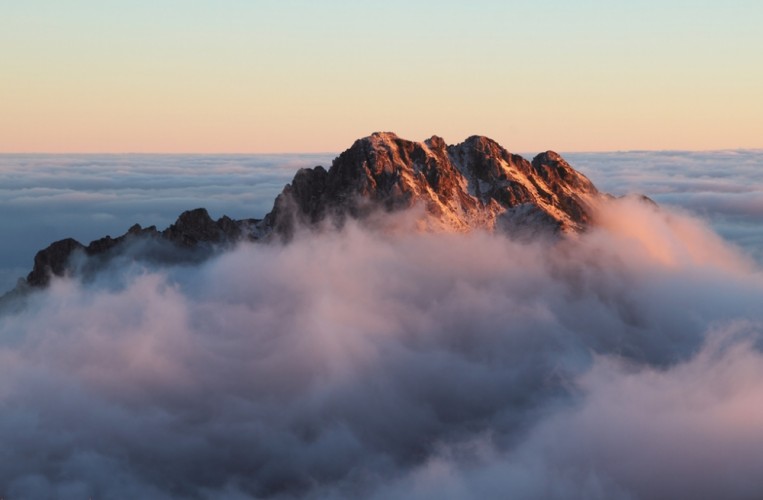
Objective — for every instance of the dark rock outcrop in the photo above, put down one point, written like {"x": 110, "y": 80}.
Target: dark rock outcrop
{"x": 52, "y": 260}
{"x": 193, "y": 232}
{"x": 195, "y": 227}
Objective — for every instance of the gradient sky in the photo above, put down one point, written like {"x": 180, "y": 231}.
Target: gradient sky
{"x": 304, "y": 76}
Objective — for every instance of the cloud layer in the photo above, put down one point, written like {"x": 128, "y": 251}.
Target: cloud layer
{"x": 395, "y": 364}
{"x": 724, "y": 187}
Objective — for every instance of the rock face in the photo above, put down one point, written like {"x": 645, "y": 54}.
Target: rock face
{"x": 474, "y": 184}
{"x": 52, "y": 260}
{"x": 194, "y": 230}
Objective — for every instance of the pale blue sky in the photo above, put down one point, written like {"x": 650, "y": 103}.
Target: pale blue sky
{"x": 266, "y": 76}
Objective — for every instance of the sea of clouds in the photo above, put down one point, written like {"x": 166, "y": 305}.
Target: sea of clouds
{"x": 725, "y": 188}
{"x": 625, "y": 363}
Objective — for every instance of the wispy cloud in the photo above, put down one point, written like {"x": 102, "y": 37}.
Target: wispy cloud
{"x": 725, "y": 187}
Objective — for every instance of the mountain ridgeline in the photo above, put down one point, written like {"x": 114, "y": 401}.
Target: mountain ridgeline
{"x": 474, "y": 184}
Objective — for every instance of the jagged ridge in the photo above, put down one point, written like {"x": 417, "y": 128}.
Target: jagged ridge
{"x": 194, "y": 234}
{"x": 474, "y": 184}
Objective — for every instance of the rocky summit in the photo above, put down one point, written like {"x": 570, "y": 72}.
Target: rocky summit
{"x": 474, "y": 184}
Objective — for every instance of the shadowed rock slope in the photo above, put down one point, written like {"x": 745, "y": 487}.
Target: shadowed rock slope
{"x": 193, "y": 236}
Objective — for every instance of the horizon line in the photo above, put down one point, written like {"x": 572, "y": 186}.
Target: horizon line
{"x": 283, "y": 153}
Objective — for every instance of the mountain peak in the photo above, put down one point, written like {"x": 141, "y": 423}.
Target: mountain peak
{"x": 481, "y": 141}
{"x": 382, "y": 136}
{"x": 548, "y": 156}
{"x": 476, "y": 183}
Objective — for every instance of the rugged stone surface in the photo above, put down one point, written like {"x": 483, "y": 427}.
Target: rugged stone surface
{"x": 194, "y": 230}
{"x": 474, "y": 184}
{"x": 52, "y": 261}
{"x": 194, "y": 227}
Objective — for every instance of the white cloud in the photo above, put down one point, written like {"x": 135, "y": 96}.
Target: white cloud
{"x": 723, "y": 187}
{"x": 397, "y": 364}
{"x": 689, "y": 430}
